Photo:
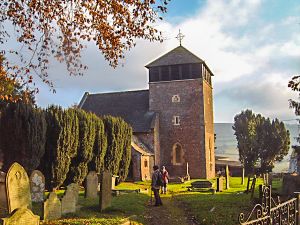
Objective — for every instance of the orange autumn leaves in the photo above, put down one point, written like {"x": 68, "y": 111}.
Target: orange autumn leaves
{"x": 60, "y": 29}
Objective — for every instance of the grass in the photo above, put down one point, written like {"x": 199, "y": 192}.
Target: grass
{"x": 208, "y": 209}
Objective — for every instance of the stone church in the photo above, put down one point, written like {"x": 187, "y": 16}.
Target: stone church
{"x": 172, "y": 121}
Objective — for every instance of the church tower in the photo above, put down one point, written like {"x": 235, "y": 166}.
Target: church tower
{"x": 180, "y": 91}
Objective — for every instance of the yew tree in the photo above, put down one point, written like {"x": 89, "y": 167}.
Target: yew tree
{"x": 61, "y": 28}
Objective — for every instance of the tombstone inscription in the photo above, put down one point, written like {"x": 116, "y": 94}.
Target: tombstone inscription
{"x": 37, "y": 186}
{"x": 17, "y": 188}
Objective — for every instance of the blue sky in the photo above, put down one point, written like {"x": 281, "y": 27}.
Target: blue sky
{"x": 252, "y": 46}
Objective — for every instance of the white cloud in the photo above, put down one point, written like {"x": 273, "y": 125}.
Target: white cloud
{"x": 246, "y": 54}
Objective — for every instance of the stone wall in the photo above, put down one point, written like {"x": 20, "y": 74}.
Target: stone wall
{"x": 190, "y": 134}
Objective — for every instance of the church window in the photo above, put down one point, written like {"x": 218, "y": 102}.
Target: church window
{"x": 177, "y": 154}
{"x": 175, "y": 98}
{"x": 176, "y": 120}
{"x": 145, "y": 163}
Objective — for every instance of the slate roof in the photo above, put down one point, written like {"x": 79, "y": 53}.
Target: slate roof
{"x": 179, "y": 55}
{"x": 139, "y": 146}
{"x": 132, "y": 106}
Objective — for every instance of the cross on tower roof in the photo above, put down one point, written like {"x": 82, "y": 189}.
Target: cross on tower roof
{"x": 179, "y": 37}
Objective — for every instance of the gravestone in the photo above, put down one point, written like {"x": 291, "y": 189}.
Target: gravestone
{"x": 22, "y": 216}
{"x": 3, "y": 197}
{"x": 52, "y": 207}
{"x": 105, "y": 192}
{"x": 75, "y": 189}
{"x": 91, "y": 185}
{"x": 37, "y": 186}
{"x": 113, "y": 182}
{"x": 220, "y": 184}
{"x": 17, "y": 188}
{"x": 68, "y": 202}
{"x": 227, "y": 177}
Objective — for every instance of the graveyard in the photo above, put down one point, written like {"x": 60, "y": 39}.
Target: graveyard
{"x": 212, "y": 202}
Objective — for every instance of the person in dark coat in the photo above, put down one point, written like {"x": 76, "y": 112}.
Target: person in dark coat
{"x": 155, "y": 185}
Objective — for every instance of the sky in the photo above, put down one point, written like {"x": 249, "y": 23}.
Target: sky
{"x": 252, "y": 47}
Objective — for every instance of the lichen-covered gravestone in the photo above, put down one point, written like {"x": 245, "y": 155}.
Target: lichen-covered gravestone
{"x": 37, "y": 186}
{"x": 91, "y": 185}
{"x": 22, "y": 216}
{"x": 52, "y": 207}
{"x": 105, "y": 191}
{"x": 68, "y": 202}
{"x": 17, "y": 188}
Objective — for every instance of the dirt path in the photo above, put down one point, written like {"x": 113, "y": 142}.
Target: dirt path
{"x": 168, "y": 214}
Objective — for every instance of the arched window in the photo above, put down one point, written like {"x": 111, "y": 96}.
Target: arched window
{"x": 177, "y": 154}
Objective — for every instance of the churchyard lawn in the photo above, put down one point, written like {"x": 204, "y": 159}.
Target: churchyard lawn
{"x": 180, "y": 206}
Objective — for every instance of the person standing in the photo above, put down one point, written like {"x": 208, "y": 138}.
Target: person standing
{"x": 156, "y": 184}
{"x": 165, "y": 178}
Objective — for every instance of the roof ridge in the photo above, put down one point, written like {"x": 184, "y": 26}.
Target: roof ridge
{"x": 119, "y": 92}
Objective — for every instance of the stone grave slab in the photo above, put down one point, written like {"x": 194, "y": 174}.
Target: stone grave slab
{"x": 75, "y": 189}
{"x": 52, "y": 207}
{"x": 22, "y": 216}
{"x": 105, "y": 191}
{"x": 37, "y": 186}
{"x": 17, "y": 188}
{"x": 220, "y": 181}
{"x": 91, "y": 185}
{"x": 68, "y": 202}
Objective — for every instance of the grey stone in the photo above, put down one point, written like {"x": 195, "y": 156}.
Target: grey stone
{"x": 68, "y": 202}
{"x": 220, "y": 181}
{"x": 37, "y": 186}
{"x": 105, "y": 192}
{"x": 113, "y": 181}
{"x": 91, "y": 185}
{"x": 52, "y": 207}
{"x": 18, "y": 188}
{"x": 75, "y": 189}
{"x": 22, "y": 216}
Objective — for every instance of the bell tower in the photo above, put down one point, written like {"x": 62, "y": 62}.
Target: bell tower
{"x": 180, "y": 91}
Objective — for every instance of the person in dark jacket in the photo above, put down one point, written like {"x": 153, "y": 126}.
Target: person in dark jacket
{"x": 155, "y": 185}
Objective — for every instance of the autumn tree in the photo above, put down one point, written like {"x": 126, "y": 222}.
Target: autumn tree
{"x": 60, "y": 29}
{"x": 11, "y": 90}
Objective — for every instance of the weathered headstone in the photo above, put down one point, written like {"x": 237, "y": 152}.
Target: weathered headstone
{"x": 105, "y": 192}
{"x": 52, "y": 207}
{"x": 227, "y": 177}
{"x": 3, "y": 197}
{"x": 91, "y": 185}
{"x": 17, "y": 188}
{"x": 220, "y": 184}
{"x": 113, "y": 182}
{"x": 243, "y": 176}
{"x": 68, "y": 202}
{"x": 37, "y": 186}
{"x": 75, "y": 189}
{"x": 22, "y": 216}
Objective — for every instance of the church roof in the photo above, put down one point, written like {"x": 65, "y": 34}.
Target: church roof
{"x": 179, "y": 55}
{"x": 139, "y": 146}
{"x": 132, "y": 106}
